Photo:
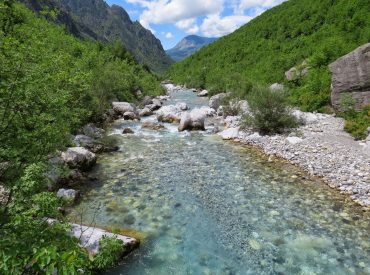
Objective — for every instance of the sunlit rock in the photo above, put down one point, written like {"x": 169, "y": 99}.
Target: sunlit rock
{"x": 203, "y": 93}
{"x": 122, "y": 107}
{"x": 230, "y": 133}
{"x": 79, "y": 157}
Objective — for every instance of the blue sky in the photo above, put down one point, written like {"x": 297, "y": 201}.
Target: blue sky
{"x": 171, "y": 20}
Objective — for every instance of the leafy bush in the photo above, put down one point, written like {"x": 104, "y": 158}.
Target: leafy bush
{"x": 357, "y": 122}
{"x": 111, "y": 251}
{"x": 28, "y": 243}
{"x": 51, "y": 83}
{"x": 270, "y": 112}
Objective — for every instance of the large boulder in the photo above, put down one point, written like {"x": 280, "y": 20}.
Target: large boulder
{"x": 169, "y": 113}
{"x": 155, "y": 105}
{"x": 193, "y": 120}
{"x": 130, "y": 116}
{"x": 93, "y": 145}
{"x": 92, "y": 131}
{"x": 351, "y": 74}
{"x": 147, "y": 100}
{"x": 216, "y": 100}
{"x": 145, "y": 112}
{"x": 90, "y": 237}
{"x": 79, "y": 157}
{"x": 185, "y": 122}
{"x": 209, "y": 112}
{"x": 122, "y": 107}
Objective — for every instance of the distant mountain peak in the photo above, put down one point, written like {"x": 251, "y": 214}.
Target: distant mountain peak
{"x": 189, "y": 45}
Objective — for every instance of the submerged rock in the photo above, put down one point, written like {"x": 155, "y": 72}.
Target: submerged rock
{"x": 127, "y": 131}
{"x": 152, "y": 126}
{"x": 182, "y": 106}
{"x": 79, "y": 157}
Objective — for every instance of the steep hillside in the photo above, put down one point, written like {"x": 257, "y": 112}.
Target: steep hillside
{"x": 95, "y": 19}
{"x": 189, "y": 45}
{"x": 262, "y": 50}
{"x": 51, "y": 84}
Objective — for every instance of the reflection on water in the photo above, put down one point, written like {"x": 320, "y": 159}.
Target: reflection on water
{"x": 211, "y": 207}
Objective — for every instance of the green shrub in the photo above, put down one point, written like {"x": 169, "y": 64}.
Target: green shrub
{"x": 111, "y": 251}
{"x": 270, "y": 112}
{"x": 357, "y": 122}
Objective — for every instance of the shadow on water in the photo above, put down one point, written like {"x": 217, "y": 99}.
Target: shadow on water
{"x": 211, "y": 207}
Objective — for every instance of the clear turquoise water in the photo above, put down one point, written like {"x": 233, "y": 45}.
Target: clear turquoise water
{"x": 213, "y": 207}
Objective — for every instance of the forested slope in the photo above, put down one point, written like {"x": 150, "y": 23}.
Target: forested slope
{"x": 262, "y": 50}
{"x": 51, "y": 83}
{"x": 96, "y": 20}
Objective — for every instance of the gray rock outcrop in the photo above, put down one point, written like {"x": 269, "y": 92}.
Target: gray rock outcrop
{"x": 90, "y": 237}
{"x": 351, "y": 74}
{"x": 79, "y": 157}
{"x": 122, "y": 107}
{"x": 216, "y": 100}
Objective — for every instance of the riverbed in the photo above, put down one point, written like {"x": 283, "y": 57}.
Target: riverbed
{"x": 206, "y": 206}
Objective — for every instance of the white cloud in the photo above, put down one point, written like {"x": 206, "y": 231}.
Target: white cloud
{"x": 169, "y": 35}
{"x": 175, "y": 11}
{"x": 216, "y": 26}
{"x": 265, "y": 4}
{"x": 184, "y": 14}
{"x": 188, "y": 25}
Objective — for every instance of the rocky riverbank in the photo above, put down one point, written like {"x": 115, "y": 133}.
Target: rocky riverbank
{"x": 320, "y": 146}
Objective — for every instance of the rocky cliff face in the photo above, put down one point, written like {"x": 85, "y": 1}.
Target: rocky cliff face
{"x": 351, "y": 74}
{"x": 95, "y": 19}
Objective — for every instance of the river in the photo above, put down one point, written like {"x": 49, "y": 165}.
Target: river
{"x": 206, "y": 206}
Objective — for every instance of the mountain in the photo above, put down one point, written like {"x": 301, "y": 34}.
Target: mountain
{"x": 189, "y": 45}
{"x": 260, "y": 52}
{"x": 95, "y": 19}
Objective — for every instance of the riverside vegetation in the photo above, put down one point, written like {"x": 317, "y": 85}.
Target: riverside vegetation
{"x": 303, "y": 33}
{"x": 51, "y": 84}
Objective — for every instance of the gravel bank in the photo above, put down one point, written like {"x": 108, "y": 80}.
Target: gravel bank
{"x": 323, "y": 149}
